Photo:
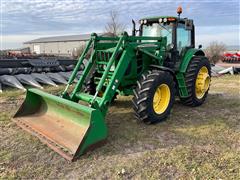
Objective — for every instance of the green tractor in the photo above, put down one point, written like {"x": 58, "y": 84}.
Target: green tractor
{"x": 156, "y": 65}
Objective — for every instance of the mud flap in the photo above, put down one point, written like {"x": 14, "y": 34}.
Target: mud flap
{"x": 67, "y": 127}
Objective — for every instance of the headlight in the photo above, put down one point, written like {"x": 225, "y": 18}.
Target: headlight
{"x": 141, "y": 22}
{"x": 165, "y": 20}
{"x": 160, "y": 20}
{"x": 145, "y": 21}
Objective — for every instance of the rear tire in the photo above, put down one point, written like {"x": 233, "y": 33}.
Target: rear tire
{"x": 197, "y": 78}
{"x": 154, "y": 96}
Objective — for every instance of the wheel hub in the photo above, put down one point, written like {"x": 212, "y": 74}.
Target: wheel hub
{"x": 202, "y": 82}
{"x": 161, "y": 98}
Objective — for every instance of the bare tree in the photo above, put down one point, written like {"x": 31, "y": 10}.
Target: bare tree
{"x": 215, "y": 51}
{"x": 114, "y": 26}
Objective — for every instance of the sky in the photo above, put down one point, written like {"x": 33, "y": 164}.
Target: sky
{"x": 24, "y": 20}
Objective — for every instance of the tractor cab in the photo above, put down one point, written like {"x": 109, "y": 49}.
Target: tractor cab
{"x": 178, "y": 31}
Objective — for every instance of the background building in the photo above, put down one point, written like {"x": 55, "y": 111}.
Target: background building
{"x": 58, "y": 45}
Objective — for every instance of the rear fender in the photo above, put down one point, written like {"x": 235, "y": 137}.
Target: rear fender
{"x": 162, "y": 68}
{"x": 187, "y": 58}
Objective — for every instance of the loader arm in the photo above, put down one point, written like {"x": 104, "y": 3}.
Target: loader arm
{"x": 64, "y": 123}
{"x": 75, "y": 121}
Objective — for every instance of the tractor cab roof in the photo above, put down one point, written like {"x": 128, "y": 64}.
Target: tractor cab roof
{"x": 169, "y": 18}
{"x": 156, "y": 18}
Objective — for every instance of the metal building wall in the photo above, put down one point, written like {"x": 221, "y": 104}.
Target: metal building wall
{"x": 57, "y": 48}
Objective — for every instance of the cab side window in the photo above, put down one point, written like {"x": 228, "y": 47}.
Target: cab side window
{"x": 183, "y": 37}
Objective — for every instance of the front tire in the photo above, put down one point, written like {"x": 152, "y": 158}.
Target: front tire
{"x": 154, "y": 96}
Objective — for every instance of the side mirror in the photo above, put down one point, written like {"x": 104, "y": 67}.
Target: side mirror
{"x": 188, "y": 24}
{"x": 133, "y": 28}
{"x": 199, "y": 46}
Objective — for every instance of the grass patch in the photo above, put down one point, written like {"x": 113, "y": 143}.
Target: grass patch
{"x": 4, "y": 119}
{"x": 5, "y": 156}
{"x": 205, "y": 130}
{"x": 193, "y": 143}
{"x": 227, "y": 84}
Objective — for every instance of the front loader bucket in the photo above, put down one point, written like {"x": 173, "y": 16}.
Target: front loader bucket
{"x": 67, "y": 127}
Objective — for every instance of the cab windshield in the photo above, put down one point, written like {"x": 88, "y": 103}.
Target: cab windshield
{"x": 157, "y": 30}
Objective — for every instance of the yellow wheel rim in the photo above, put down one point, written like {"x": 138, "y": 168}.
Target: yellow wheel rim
{"x": 161, "y": 98}
{"x": 202, "y": 82}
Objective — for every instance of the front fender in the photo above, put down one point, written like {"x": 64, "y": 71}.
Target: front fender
{"x": 187, "y": 58}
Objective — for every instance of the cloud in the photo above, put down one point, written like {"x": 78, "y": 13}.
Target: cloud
{"x": 15, "y": 41}
{"x": 45, "y": 17}
{"x": 229, "y": 35}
